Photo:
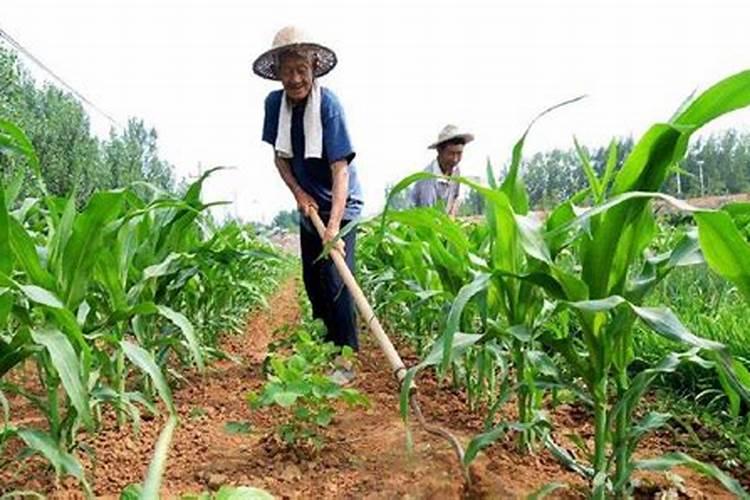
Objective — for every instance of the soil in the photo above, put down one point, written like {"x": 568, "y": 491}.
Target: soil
{"x": 365, "y": 455}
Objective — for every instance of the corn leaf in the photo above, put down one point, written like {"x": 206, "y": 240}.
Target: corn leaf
{"x": 143, "y": 360}
{"x": 725, "y": 249}
{"x": 67, "y": 366}
{"x": 188, "y": 332}
{"x": 158, "y": 463}
{"x": 671, "y": 460}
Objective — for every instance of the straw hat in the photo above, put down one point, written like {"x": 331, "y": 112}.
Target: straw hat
{"x": 451, "y": 132}
{"x": 266, "y": 65}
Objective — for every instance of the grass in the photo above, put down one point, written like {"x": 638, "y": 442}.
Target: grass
{"x": 707, "y": 304}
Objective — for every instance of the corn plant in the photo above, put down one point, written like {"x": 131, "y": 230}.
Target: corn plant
{"x": 708, "y": 304}
{"x": 607, "y": 293}
{"x": 723, "y": 238}
{"x": 89, "y": 296}
{"x": 502, "y": 266}
{"x": 590, "y": 267}
{"x": 415, "y": 301}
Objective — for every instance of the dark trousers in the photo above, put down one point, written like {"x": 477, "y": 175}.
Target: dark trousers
{"x": 330, "y": 299}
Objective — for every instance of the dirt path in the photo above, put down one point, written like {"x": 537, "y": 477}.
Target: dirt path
{"x": 365, "y": 456}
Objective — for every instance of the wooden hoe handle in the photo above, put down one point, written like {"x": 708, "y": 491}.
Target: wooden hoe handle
{"x": 397, "y": 365}
{"x": 365, "y": 310}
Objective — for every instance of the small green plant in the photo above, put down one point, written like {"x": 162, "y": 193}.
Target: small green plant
{"x": 237, "y": 427}
{"x": 298, "y": 384}
{"x": 134, "y": 492}
{"x": 233, "y": 493}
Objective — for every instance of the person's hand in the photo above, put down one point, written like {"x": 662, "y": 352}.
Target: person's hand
{"x": 305, "y": 202}
{"x": 329, "y": 235}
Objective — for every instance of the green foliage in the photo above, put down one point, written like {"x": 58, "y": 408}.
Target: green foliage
{"x": 71, "y": 158}
{"x": 708, "y": 304}
{"x": 135, "y": 492}
{"x": 110, "y": 299}
{"x": 473, "y": 205}
{"x": 232, "y": 493}
{"x": 558, "y": 174}
{"x": 726, "y": 249}
{"x": 152, "y": 483}
{"x": 400, "y": 201}
{"x": 562, "y": 303}
{"x": 716, "y": 164}
{"x": 298, "y": 383}
{"x": 237, "y": 427}
{"x": 286, "y": 219}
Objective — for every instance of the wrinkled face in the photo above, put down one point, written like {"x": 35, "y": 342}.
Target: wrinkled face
{"x": 296, "y": 74}
{"x": 449, "y": 156}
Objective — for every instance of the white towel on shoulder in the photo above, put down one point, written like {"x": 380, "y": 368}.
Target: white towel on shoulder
{"x": 312, "y": 123}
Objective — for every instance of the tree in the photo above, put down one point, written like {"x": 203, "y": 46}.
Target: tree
{"x": 71, "y": 158}
{"x": 286, "y": 219}
{"x": 133, "y": 156}
{"x": 472, "y": 205}
{"x": 57, "y": 126}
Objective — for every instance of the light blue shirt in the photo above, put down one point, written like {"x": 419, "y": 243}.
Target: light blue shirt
{"x": 429, "y": 192}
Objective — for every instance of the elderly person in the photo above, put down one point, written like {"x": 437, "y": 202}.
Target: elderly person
{"x": 305, "y": 125}
{"x": 431, "y": 192}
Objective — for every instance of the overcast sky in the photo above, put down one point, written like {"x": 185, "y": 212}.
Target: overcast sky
{"x": 405, "y": 69}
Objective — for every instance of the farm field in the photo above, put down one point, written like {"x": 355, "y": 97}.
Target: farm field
{"x": 366, "y": 457}
{"x": 595, "y": 350}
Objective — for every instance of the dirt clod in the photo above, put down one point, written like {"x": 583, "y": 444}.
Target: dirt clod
{"x": 216, "y": 481}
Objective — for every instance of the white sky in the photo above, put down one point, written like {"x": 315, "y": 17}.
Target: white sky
{"x": 405, "y": 69}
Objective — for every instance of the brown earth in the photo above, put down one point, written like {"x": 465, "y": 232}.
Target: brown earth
{"x": 714, "y": 202}
{"x": 365, "y": 455}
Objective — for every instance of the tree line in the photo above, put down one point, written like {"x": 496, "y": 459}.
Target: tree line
{"x": 72, "y": 158}
{"x": 716, "y": 164}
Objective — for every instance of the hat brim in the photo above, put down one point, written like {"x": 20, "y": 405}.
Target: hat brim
{"x": 466, "y": 137}
{"x": 265, "y": 65}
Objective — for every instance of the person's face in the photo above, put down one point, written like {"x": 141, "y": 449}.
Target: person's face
{"x": 296, "y": 74}
{"x": 449, "y": 156}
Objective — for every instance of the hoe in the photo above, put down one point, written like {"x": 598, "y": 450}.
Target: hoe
{"x": 397, "y": 365}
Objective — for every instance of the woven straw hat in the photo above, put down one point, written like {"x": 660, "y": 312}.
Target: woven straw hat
{"x": 266, "y": 65}
{"x": 451, "y": 132}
